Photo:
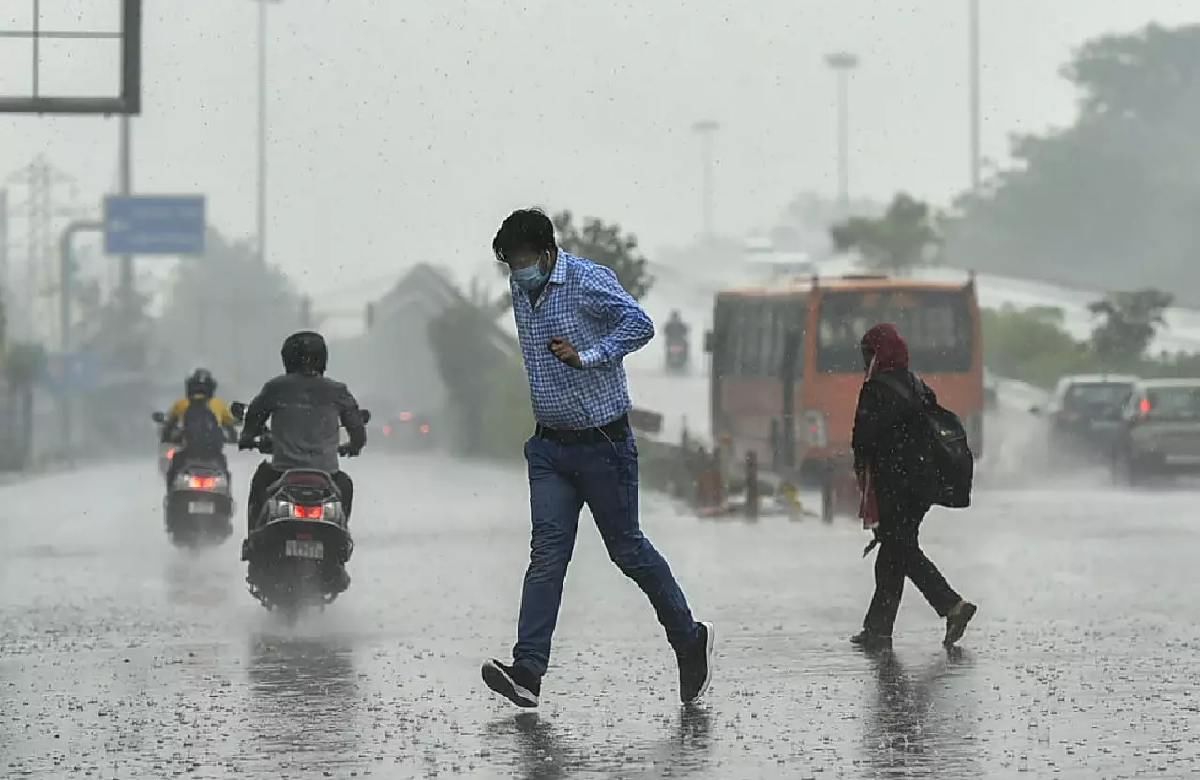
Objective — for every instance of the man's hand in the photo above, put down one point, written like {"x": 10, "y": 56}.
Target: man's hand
{"x": 565, "y": 351}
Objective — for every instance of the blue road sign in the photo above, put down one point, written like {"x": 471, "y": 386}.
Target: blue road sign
{"x": 154, "y": 224}
{"x": 77, "y": 371}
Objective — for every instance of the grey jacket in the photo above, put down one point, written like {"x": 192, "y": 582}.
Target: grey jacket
{"x": 304, "y": 410}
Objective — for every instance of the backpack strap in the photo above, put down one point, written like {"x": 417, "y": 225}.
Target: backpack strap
{"x": 906, "y": 390}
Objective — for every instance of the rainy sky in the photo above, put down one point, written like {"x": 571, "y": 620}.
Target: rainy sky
{"x": 404, "y": 131}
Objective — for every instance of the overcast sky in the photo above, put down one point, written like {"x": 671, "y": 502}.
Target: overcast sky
{"x": 404, "y": 131}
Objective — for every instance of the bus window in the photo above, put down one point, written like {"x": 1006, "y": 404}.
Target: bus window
{"x": 751, "y": 339}
{"x": 937, "y": 326}
{"x": 786, "y": 315}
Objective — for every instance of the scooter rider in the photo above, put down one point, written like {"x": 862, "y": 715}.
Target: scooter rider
{"x": 304, "y": 407}
{"x": 199, "y": 391}
{"x": 676, "y": 333}
{"x": 675, "y": 329}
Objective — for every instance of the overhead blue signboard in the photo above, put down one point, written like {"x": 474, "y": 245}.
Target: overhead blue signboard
{"x": 76, "y": 371}
{"x": 154, "y": 224}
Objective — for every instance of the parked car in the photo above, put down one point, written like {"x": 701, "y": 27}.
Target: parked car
{"x": 1084, "y": 412}
{"x": 1159, "y": 430}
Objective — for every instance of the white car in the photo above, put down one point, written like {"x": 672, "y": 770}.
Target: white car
{"x": 1160, "y": 430}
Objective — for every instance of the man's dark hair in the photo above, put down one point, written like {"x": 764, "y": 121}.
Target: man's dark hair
{"x": 524, "y": 231}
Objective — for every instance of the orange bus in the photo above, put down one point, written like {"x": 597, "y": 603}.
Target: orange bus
{"x": 824, "y": 320}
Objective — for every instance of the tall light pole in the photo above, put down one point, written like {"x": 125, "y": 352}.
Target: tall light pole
{"x": 262, "y": 130}
{"x": 705, "y": 129}
{"x": 973, "y": 78}
{"x": 125, "y": 284}
{"x": 843, "y": 63}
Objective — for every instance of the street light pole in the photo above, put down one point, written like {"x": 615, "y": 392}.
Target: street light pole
{"x": 973, "y": 64}
{"x": 125, "y": 285}
{"x": 262, "y": 132}
{"x": 843, "y": 63}
{"x": 705, "y": 129}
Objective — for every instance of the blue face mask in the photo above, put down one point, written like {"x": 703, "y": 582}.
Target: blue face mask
{"x": 531, "y": 277}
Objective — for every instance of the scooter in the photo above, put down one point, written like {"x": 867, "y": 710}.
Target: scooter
{"x": 677, "y": 356}
{"x": 198, "y": 506}
{"x": 301, "y": 542}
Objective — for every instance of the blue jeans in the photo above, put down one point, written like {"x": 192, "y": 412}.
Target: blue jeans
{"x": 562, "y": 478}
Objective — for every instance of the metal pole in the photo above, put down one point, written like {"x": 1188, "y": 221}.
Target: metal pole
{"x": 66, "y": 282}
{"x": 842, "y": 63}
{"x": 126, "y": 277}
{"x": 843, "y": 131}
{"x": 37, "y": 18}
{"x": 707, "y": 184}
{"x": 791, "y": 354}
{"x": 262, "y": 131}
{"x": 5, "y": 286}
{"x": 64, "y": 322}
{"x": 705, "y": 130}
{"x": 973, "y": 57}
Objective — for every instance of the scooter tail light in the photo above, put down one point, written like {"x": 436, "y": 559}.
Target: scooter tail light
{"x": 303, "y": 512}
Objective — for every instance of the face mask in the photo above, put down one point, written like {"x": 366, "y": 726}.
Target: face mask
{"x": 531, "y": 277}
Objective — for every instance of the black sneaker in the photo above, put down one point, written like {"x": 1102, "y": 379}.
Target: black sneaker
{"x": 869, "y": 640}
{"x": 695, "y": 665}
{"x": 246, "y": 549}
{"x": 957, "y": 620}
{"x": 515, "y": 684}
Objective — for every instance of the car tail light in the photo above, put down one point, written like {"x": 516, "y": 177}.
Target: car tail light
{"x": 202, "y": 483}
{"x": 171, "y": 453}
{"x": 406, "y": 416}
{"x": 425, "y": 430}
{"x": 1145, "y": 407}
{"x": 387, "y": 430}
{"x": 308, "y": 512}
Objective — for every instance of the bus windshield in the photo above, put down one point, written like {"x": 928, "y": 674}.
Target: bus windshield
{"x": 936, "y": 324}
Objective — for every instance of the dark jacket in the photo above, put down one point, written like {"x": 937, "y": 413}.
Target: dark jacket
{"x": 305, "y": 410}
{"x": 887, "y": 440}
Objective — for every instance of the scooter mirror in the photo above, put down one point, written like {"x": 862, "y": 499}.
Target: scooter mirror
{"x": 158, "y": 417}
{"x": 365, "y": 414}
{"x": 238, "y": 410}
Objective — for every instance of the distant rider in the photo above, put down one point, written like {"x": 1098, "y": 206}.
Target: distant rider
{"x": 675, "y": 330}
{"x": 304, "y": 408}
{"x": 200, "y": 422}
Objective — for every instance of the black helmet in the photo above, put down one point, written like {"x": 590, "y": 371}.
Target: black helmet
{"x": 304, "y": 353}
{"x": 201, "y": 382}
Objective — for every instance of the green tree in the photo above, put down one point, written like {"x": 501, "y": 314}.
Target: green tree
{"x": 1109, "y": 201}
{"x": 1031, "y": 345}
{"x": 1129, "y": 322}
{"x": 606, "y": 244}
{"x": 902, "y": 238}
{"x": 24, "y": 367}
{"x": 229, "y": 312}
{"x": 488, "y": 395}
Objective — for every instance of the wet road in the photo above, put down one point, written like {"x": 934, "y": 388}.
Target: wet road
{"x": 121, "y": 657}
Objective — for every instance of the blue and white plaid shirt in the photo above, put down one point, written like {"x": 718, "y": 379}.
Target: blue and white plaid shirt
{"x": 585, "y": 304}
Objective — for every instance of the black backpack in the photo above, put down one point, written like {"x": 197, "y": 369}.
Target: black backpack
{"x": 953, "y": 467}
{"x": 202, "y": 434}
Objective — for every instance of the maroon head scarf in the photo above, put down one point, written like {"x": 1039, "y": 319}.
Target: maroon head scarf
{"x": 888, "y": 347}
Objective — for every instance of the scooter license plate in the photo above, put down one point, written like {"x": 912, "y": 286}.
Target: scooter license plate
{"x": 299, "y": 548}
{"x": 201, "y": 507}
